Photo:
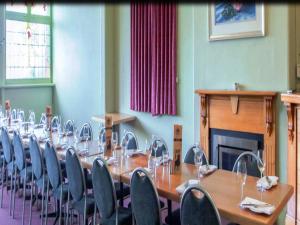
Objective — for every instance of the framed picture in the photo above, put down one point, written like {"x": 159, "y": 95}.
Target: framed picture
{"x": 235, "y": 20}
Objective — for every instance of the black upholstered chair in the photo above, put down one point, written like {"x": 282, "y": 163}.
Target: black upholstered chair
{"x": 69, "y": 127}
{"x": 144, "y": 199}
{"x": 106, "y": 198}
{"x": 251, "y": 163}
{"x": 189, "y": 156}
{"x": 14, "y": 114}
{"x": 86, "y": 128}
{"x": 59, "y": 189}
{"x": 131, "y": 141}
{"x": 161, "y": 148}
{"x": 22, "y": 168}
{"x": 102, "y": 134}
{"x": 39, "y": 176}
{"x": 7, "y": 166}
{"x": 82, "y": 202}
{"x": 43, "y": 119}
{"x": 54, "y": 123}
{"x": 198, "y": 208}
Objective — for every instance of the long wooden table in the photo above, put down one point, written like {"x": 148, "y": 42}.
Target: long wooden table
{"x": 222, "y": 185}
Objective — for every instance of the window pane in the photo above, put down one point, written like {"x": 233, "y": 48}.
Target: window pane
{"x": 27, "y": 50}
{"x": 21, "y": 8}
{"x": 40, "y": 9}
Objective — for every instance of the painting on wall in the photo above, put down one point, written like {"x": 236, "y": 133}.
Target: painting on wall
{"x": 230, "y": 20}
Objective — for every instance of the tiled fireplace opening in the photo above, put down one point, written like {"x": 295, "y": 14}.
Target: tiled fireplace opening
{"x": 226, "y": 146}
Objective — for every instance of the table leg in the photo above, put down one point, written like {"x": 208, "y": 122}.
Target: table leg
{"x": 170, "y": 211}
{"x": 121, "y": 191}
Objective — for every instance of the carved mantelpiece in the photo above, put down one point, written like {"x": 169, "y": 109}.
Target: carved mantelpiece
{"x": 292, "y": 105}
{"x": 244, "y": 111}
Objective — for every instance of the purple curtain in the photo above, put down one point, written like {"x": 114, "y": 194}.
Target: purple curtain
{"x": 153, "y": 58}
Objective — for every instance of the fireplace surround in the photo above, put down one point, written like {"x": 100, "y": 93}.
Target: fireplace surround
{"x": 250, "y": 112}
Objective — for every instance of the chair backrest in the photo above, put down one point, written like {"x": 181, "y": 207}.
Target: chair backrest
{"x": 7, "y": 145}
{"x": 251, "y": 163}
{"x": 88, "y": 129}
{"x": 189, "y": 156}
{"x": 161, "y": 148}
{"x": 54, "y": 123}
{"x": 69, "y": 127}
{"x": 19, "y": 151}
{"x": 198, "y": 208}
{"x": 22, "y": 115}
{"x": 75, "y": 175}
{"x": 14, "y": 114}
{"x": 102, "y": 134}
{"x": 36, "y": 157}
{"x": 144, "y": 199}
{"x": 131, "y": 139}
{"x": 43, "y": 119}
{"x": 103, "y": 189}
{"x": 52, "y": 166}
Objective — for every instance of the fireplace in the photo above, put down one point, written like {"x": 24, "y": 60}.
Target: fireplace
{"x": 226, "y": 146}
{"x": 242, "y": 121}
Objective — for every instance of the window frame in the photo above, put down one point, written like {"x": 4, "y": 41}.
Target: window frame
{"x": 28, "y": 17}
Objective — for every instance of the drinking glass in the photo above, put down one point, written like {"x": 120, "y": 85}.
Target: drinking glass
{"x": 114, "y": 142}
{"x": 86, "y": 136}
{"x": 261, "y": 164}
{"x": 165, "y": 157}
{"x": 31, "y": 120}
{"x": 241, "y": 173}
{"x": 101, "y": 143}
{"x": 198, "y": 155}
{"x": 124, "y": 143}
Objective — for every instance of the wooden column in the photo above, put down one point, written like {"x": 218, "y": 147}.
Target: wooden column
{"x": 292, "y": 105}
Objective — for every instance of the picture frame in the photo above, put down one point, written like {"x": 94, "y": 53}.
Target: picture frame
{"x": 235, "y": 20}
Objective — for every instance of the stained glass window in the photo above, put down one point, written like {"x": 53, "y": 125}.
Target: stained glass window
{"x": 28, "y": 42}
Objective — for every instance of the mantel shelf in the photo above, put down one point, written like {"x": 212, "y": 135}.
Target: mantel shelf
{"x": 236, "y": 93}
{"x": 291, "y": 98}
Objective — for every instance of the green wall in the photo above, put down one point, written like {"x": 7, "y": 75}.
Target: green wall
{"x": 78, "y": 61}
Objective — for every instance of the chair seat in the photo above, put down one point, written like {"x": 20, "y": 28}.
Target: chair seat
{"x": 39, "y": 182}
{"x": 126, "y": 190}
{"x": 124, "y": 217}
{"x": 57, "y": 191}
{"x": 26, "y": 175}
{"x": 90, "y": 204}
{"x": 175, "y": 217}
{"x": 10, "y": 168}
{"x": 162, "y": 204}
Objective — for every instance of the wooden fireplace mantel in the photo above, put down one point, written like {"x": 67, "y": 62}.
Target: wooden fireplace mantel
{"x": 292, "y": 105}
{"x": 244, "y": 111}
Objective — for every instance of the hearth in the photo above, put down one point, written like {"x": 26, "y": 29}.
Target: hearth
{"x": 226, "y": 146}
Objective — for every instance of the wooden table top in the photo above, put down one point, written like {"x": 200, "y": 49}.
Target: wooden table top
{"x": 225, "y": 191}
{"x": 222, "y": 185}
{"x": 117, "y": 118}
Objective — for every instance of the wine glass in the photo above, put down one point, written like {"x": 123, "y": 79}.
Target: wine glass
{"x": 86, "y": 136}
{"x": 241, "y": 173}
{"x": 198, "y": 156}
{"x": 261, "y": 164}
{"x": 114, "y": 142}
{"x": 124, "y": 143}
{"x": 31, "y": 121}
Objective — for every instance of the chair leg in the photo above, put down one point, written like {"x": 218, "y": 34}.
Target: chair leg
{"x": 84, "y": 212}
{"x": 31, "y": 196}
{"x": 47, "y": 196}
{"x": 42, "y": 193}
{"x": 11, "y": 193}
{"x": 14, "y": 193}
{"x": 67, "y": 222}
{"x": 2, "y": 178}
{"x": 94, "y": 217}
{"x": 60, "y": 205}
{"x": 24, "y": 195}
